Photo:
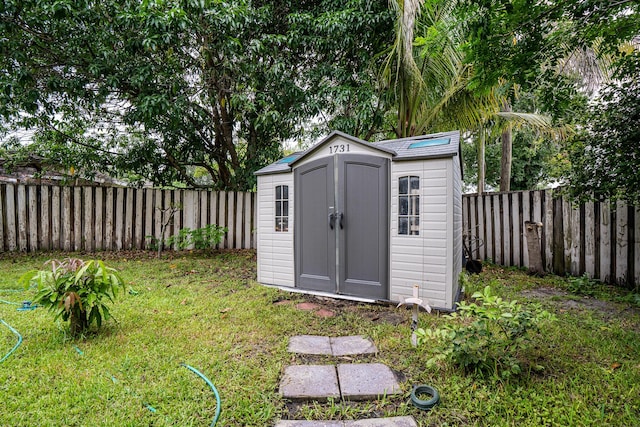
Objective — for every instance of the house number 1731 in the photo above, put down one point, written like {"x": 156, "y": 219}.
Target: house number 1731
{"x": 338, "y": 148}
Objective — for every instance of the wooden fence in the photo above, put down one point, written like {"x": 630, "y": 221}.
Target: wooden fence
{"x": 45, "y": 217}
{"x": 596, "y": 238}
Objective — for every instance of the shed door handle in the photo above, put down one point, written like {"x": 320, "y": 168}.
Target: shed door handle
{"x": 341, "y": 215}
{"x": 332, "y": 220}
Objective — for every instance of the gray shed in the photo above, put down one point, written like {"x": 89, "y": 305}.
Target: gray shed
{"x": 364, "y": 221}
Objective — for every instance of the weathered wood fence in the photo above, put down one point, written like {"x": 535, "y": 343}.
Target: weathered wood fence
{"x": 598, "y": 238}
{"x": 45, "y": 217}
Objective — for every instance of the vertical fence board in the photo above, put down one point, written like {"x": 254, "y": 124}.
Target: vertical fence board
{"x": 89, "y": 227}
{"x": 44, "y": 240}
{"x": 204, "y": 209}
{"x": 622, "y": 242}
{"x": 222, "y": 217}
{"x": 99, "y": 221}
{"x": 128, "y": 218}
{"x": 32, "y": 197}
{"x": 118, "y": 223}
{"x": 11, "y": 218}
{"x": 465, "y": 217}
{"x": 566, "y": 229}
{"x": 108, "y": 219}
{"x": 516, "y": 232}
{"x": 120, "y": 218}
{"x": 547, "y": 219}
{"x": 636, "y": 235}
{"x": 506, "y": 231}
{"x": 526, "y": 216}
{"x": 157, "y": 216}
{"x": 489, "y": 228}
{"x": 149, "y": 209}
{"x": 177, "y": 198}
{"x": 536, "y": 213}
{"x": 65, "y": 229}
{"x": 473, "y": 231}
{"x": 248, "y": 213}
{"x": 482, "y": 232}
{"x": 589, "y": 240}
{"x": 77, "y": 218}
{"x": 497, "y": 229}
{"x": 575, "y": 240}
{"x": 55, "y": 218}
{"x": 3, "y": 203}
{"x": 189, "y": 211}
{"x": 237, "y": 238}
{"x": 254, "y": 220}
{"x": 605, "y": 241}
{"x": 22, "y": 218}
{"x": 140, "y": 214}
{"x": 213, "y": 211}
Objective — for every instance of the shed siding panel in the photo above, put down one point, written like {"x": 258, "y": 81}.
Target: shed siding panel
{"x": 275, "y": 249}
{"x": 422, "y": 259}
{"x": 457, "y": 231}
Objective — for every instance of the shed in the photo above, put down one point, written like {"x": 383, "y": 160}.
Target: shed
{"x": 364, "y": 221}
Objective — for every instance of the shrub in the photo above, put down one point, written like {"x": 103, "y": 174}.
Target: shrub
{"x": 485, "y": 337}
{"x": 583, "y": 285}
{"x": 76, "y": 290}
{"x": 206, "y": 237}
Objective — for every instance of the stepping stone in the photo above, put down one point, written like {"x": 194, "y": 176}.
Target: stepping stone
{"x": 373, "y": 422}
{"x": 324, "y": 313}
{"x": 361, "y": 381}
{"x": 383, "y": 422}
{"x": 295, "y": 423}
{"x": 309, "y": 344}
{"x": 307, "y": 306}
{"x": 340, "y": 346}
{"x": 343, "y": 346}
{"x": 309, "y": 382}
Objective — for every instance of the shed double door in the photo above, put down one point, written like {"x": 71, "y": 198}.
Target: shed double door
{"x": 342, "y": 225}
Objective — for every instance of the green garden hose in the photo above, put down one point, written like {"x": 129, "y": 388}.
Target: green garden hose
{"x": 424, "y": 404}
{"x": 210, "y": 384}
{"x": 6, "y": 356}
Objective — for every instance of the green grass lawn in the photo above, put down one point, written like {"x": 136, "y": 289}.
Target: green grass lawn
{"x": 208, "y": 311}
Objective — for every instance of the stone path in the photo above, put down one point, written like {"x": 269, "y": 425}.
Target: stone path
{"x": 341, "y": 346}
{"x": 348, "y": 381}
{"x": 372, "y": 422}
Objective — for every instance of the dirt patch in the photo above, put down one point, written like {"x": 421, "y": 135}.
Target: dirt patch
{"x": 566, "y": 301}
{"x": 376, "y": 313}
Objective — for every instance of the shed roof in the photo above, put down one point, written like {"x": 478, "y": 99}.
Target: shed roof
{"x": 437, "y": 145}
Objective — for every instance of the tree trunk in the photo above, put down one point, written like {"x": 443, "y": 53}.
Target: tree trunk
{"x": 481, "y": 163}
{"x": 507, "y": 149}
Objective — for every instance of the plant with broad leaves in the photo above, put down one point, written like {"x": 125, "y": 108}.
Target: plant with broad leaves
{"x": 485, "y": 337}
{"x": 76, "y": 290}
{"x": 203, "y": 238}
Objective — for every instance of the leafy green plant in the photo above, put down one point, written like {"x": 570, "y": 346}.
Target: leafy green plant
{"x": 485, "y": 336}
{"x": 76, "y": 290}
{"x": 583, "y": 285}
{"x": 201, "y": 238}
{"x": 208, "y": 237}
{"x": 180, "y": 240}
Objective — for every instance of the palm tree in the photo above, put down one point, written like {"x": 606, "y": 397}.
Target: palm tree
{"x": 431, "y": 82}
